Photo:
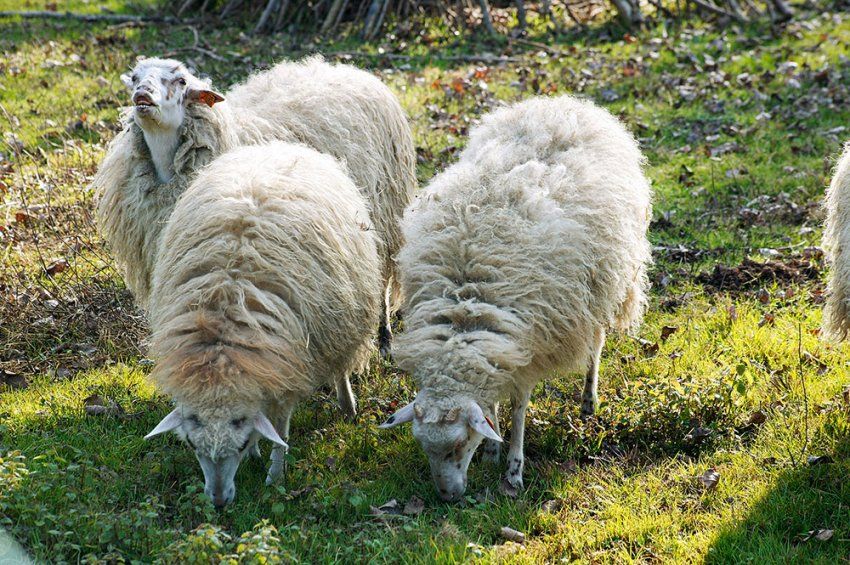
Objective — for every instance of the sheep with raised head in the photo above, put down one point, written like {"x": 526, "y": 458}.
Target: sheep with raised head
{"x": 836, "y": 242}
{"x": 518, "y": 259}
{"x": 266, "y": 286}
{"x": 179, "y": 124}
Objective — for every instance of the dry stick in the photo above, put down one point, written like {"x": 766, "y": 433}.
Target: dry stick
{"x": 330, "y": 18}
{"x": 371, "y": 14}
{"x": 783, "y": 8}
{"x": 185, "y": 6}
{"x": 281, "y": 13}
{"x": 520, "y": 14}
{"x": 118, "y": 18}
{"x": 484, "y": 58}
{"x": 805, "y": 391}
{"x": 736, "y": 9}
{"x": 265, "y": 16}
{"x": 705, "y": 5}
{"x": 572, "y": 16}
{"x": 229, "y": 7}
{"x": 485, "y": 17}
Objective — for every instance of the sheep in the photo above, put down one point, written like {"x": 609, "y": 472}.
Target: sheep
{"x": 518, "y": 259}
{"x": 179, "y": 124}
{"x": 266, "y": 286}
{"x": 836, "y": 242}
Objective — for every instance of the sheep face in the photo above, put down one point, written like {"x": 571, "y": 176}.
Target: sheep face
{"x": 161, "y": 89}
{"x": 220, "y": 443}
{"x": 449, "y": 438}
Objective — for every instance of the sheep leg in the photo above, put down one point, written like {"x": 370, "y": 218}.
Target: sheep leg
{"x": 493, "y": 449}
{"x": 278, "y": 456}
{"x": 345, "y": 397}
{"x": 385, "y": 332}
{"x": 589, "y": 397}
{"x": 516, "y": 459}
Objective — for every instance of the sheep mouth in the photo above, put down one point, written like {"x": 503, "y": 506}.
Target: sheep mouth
{"x": 143, "y": 101}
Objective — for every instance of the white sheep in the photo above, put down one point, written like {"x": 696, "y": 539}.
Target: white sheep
{"x": 179, "y": 124}
{"x": 267, "y": 285}
{"x": 517, "y": 260}
{"x": 836, "y": 242}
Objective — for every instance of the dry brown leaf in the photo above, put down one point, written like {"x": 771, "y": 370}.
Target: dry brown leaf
{"x": 709, "y": 479}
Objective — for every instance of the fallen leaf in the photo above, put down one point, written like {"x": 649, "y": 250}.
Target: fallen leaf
{"x": 819, "y": 460}
{"x": 709, "y": 479}
{"x": 650, "y": 349}
{"x": 757, "y": 418}
{"x": 13, "y": 380}
{"x": 414, "y": 506}
{"x": 552, "y": 506}
{"x": 56, "y": 267}
{"x": 819, "y": 534}
{"x": 513, "y": 535}
{"x": 667, "y": 331}
{"x": 508, "y": 489}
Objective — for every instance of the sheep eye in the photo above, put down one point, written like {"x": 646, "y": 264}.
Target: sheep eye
{"x": 181, "y": 81}
{"x": 135, "y": 78}
{"x": 195, "y": 420}
{"x": 237, "y": 422}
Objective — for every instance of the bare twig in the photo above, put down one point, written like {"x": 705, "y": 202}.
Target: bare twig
{"x": 708, "y": 6}
{"x": 486, "y": 19}
{"x": 264, "y": 18}
{"x": 116, "y": 18}
{"x": 484, "y": 58}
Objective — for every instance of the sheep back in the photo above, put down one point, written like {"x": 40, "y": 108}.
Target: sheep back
{"x": 347, "y": 113}
{"x": 517, "y": 253}
{"x": 133, "y": 205}
{"x": 267, "y": 282}
{"x": 836, "y": 241}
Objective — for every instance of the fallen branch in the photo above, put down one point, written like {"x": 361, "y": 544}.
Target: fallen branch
{"x": 115, "y": 18}
{"x": 484, "y": 58}
{"x": 716, "y": 10}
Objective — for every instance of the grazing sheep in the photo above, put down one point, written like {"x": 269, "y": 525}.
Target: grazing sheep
{"x": 836, "y": 241}
{"x": 267, "y": 285}
{"x": 517, "y": 260}
{"x": 179, "y": 124}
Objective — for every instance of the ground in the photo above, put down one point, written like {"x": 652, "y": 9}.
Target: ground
{"x": 723, "y": 431}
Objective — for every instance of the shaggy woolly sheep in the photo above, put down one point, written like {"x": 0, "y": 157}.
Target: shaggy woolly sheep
{"x": 517, "y": 260}
{"x": 836, "y": 241}
{"x": 179, "y": 124}
{"x": 267, "y": 285}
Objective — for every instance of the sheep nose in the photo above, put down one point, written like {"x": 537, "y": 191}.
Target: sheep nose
{"x": 450, "y": 495}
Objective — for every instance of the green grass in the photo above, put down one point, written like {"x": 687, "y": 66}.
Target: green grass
{"x": 623, "y": 488}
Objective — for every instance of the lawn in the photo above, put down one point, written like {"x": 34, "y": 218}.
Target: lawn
{"x": 740, "y": 125}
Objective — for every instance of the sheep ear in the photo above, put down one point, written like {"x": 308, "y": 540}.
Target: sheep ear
{"x": 402, "y": 416}
{"x": 208, "y": 97}
{"x": 265, "y": 428}
{"x": 482, "y": 424}
{"x": 167, "y": 424}
{"x": 128, "y": 82}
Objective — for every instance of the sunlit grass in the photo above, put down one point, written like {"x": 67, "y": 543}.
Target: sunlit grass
{"x": 622, "y": 488}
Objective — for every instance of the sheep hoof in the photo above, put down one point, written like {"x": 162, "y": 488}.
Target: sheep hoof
{"x": 588, "y": 409}
{"x": 255, "y": 451}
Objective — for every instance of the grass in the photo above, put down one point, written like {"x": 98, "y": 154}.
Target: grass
{"x": 729, "y": 372}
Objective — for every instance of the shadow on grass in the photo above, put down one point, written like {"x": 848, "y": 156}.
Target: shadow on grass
{"x": 782, "y": 526}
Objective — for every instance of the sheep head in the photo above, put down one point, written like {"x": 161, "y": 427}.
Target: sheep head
{"x": 161, "y": 89}
{"x": 220, "y": 439}
{"x": 449, "y": 437}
